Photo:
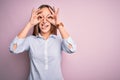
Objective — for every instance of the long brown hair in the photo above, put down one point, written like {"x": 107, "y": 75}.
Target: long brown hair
{"x": 37, "y": 30}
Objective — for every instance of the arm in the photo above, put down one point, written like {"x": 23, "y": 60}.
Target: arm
{"x": 67, "y": 42}
{"x": 64, "y": 33}
{"x": 25, "y": 31}
{"x": 33, "y": 21}
{"x": 60, "y": 26}
{"x": 23, "y": 34}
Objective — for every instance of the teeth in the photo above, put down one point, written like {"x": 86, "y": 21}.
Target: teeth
{"x": 46, "y": 25}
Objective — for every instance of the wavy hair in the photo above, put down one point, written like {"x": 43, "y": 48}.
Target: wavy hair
{"x": 37, "y": 30}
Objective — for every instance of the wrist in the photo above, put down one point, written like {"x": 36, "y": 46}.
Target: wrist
{"x": 60, "y": 25}
{"x": 29, "y": 25}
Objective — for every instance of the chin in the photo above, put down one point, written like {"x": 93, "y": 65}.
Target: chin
{"x": 44, "y": 31}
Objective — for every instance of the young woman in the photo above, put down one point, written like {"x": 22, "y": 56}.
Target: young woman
{"x": 44, "y": 46}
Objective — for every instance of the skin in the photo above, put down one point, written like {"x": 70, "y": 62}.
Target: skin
{"x": 44, "y": 25}
{"x": 44, "y": 17}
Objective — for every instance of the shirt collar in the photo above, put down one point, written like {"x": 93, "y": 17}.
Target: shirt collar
{"x": 51, "y": 36}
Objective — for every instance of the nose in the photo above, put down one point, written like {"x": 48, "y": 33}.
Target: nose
{"x": 44, "y": 20}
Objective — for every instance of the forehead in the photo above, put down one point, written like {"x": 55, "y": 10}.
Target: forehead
{"x": 45, "y": 11}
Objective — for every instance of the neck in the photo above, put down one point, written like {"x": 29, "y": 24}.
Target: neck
{"x": 45, "y": 35}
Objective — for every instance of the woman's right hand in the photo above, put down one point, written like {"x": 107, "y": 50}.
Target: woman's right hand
{"x": 35, "y": 17}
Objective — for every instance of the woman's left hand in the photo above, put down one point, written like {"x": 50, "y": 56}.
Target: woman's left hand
{"x": 53, "y": 18}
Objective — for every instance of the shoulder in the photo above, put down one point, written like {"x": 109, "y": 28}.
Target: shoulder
{"x": 56, "y": 36}
{"x": 31, "y": 37}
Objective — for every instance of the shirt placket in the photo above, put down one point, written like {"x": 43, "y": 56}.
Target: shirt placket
{"x": 46, "y": 55}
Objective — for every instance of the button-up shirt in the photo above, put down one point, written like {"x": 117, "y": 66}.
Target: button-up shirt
{"x": 45, "y": 55}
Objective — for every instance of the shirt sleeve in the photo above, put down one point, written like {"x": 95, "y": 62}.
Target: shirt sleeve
{"x": 22, "y": 45}
{"x": 66, "y": 43}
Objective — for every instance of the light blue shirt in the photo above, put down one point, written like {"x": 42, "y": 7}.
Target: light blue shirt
{"x": 45, "y": 55}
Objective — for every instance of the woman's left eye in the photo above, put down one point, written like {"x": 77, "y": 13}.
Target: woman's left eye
{"x": 50, "y": 17}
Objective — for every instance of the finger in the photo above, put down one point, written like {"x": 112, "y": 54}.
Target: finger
{"x": 56, "y": 14}
{"x": 49, "y": 16}
{"x": 39, "y": 17}
{"x": 53, "y": 8}
{"x": 51, "y": 22}
{"x": 57, "y": 11}
{"x": 38, "y": 11}
{"x": 33, "y": 9}
{"x": 52, "y": 12}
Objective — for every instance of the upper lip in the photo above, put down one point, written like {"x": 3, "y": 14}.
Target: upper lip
{"x": 44, "y": 25}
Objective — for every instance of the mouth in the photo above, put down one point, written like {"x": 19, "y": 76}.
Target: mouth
{"x": 44, "y": 26}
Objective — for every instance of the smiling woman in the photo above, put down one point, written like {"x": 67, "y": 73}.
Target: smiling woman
{"x": 48, "y": 17}
{"x": 44, "y": 46}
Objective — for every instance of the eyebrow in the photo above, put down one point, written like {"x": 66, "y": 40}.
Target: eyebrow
{"x": 40, "y": 12}
{"x": 48, "y": 14}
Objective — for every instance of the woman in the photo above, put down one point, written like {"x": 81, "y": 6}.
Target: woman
{"x": 44, "y": 46}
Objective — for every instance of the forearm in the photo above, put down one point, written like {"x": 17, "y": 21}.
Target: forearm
{"x": 25, "y": 31}
{"x": 63, "y": 32}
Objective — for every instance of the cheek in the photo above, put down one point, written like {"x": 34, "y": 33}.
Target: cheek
{"x": 49, "y": 27}
{"x": 49, "y": 19}
{"x": 39, "y": 25}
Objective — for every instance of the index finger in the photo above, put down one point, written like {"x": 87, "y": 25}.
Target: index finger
{"x": 52, "y": 12}
{"x": 38, "y": 11}
{"x": 57, "y": 11}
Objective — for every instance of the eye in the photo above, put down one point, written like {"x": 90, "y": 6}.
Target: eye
{"x": 50, "y": 17}
{"x": 40, "y": 17}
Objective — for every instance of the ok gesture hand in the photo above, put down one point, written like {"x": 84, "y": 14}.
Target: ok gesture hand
{"x": 35, "y": 17}
{"x": 54, "y": 16}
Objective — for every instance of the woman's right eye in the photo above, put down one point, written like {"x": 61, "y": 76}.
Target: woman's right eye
{"x": 39, "y": 17}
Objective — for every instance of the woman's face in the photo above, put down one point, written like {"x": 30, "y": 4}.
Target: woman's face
{"x": 44, "y": 25}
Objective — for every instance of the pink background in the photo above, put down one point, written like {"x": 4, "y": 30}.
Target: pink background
{"x": 93, "y": 24}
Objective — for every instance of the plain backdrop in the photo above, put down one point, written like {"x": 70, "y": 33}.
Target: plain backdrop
{"x": 93, "y": 24}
